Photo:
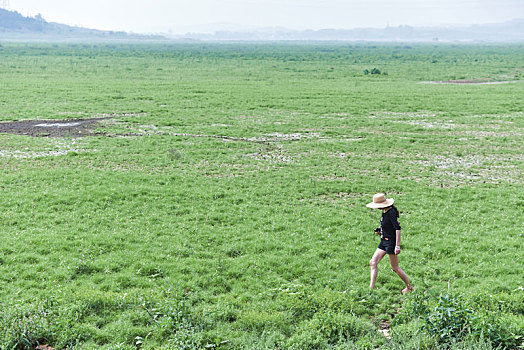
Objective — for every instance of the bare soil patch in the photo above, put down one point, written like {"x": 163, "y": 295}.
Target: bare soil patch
{"x": 383, "y": 328}
{"x": 337, "y": 197}
{"x": 465, "y": 82}
{"x": 51, "y": 128}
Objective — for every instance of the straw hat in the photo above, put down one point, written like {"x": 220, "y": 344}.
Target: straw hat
{"x": 380, "y": 201}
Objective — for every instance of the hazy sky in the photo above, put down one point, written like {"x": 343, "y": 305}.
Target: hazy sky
{"x": 180, "y": 16}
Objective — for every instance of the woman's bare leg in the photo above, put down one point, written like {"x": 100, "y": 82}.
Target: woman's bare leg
{"x": 373, "y": 263}
{"x": 393, "y": 259}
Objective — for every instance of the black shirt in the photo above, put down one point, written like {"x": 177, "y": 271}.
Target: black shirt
{"x": 389, "y": 223}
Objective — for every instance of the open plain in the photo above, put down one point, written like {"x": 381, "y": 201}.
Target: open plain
{"x": 213, "y": 196}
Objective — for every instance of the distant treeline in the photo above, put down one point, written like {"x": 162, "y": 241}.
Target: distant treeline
{"x": 511, "y": 31}
{"x": 14, "y": 21}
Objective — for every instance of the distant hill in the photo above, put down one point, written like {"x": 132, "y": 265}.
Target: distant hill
{"x": 512, "y": 31}
{"x": 16, "y": 27}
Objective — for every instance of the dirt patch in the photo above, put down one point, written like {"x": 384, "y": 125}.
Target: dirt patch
{"x": 337, "y": 197}
{"x": 383, "y": 328}
{"x": 275, "y": 154}
{"x": 426, "y": 124}
{"x": 266, "y": 138}
{"x": 470, "y": 82}
{"x": 51, "y": 128}
{"x": 473, "y": 168}
{"x": 44, "y": 347}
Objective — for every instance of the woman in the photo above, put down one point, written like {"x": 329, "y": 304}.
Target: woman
{"x": 389, "y": 239}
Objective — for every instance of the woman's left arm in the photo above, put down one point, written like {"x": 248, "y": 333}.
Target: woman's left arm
{"x": 397, "y": 245}
{"x": 393, "y": 217}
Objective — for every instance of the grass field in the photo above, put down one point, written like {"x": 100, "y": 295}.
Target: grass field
{"x": 220, "y": 201}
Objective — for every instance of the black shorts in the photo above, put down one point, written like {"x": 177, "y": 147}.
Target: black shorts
{"x": 387, "y": 245}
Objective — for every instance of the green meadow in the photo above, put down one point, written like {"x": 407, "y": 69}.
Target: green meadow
{"x": 219, "y": 202}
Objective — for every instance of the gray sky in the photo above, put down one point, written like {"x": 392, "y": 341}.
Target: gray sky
{"x": 180, "y": 16}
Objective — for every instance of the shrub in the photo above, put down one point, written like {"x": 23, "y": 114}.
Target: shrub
{"x": 455, "y": 320}
{"x": 449, "y": 319}
{"x": 374, "y": 71}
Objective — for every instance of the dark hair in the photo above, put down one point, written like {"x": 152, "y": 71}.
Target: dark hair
{"x": 396, "y": 210}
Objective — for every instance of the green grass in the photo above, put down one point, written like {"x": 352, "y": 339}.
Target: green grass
{"x": 224, "y": 205}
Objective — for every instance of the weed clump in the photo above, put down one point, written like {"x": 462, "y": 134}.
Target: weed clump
{"x": 327, "y": 329}
{"x": 448, "y": 320}
{"x": 23, "y": 326}
{"x": 374, "y": 71}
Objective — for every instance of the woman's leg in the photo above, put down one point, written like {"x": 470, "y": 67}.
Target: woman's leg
{"x": 393, "y": 259}
{"x": 373, "y": 263}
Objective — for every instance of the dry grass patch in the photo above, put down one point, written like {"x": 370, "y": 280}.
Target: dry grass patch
{"x": 481, "y": 168}
{"x": 466, "y": 82}
{"x": 54, "y": 148}
{"x": 339, "y": 196}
